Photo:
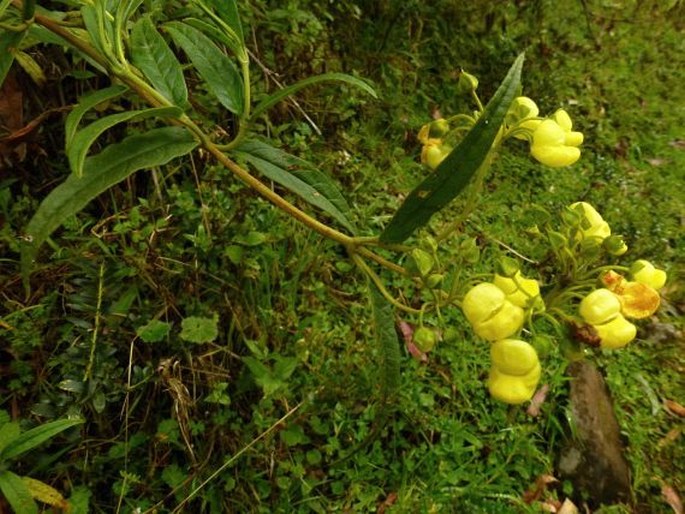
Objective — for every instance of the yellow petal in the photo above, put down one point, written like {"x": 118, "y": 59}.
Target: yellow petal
{"x": 555, "y": 156}
{"x": 549, "y": 133}
{"x": 616, "y": 333}
{"x": 600, "y": 306}
{"x": 574, "y": 138}
{"x": 639, "y": 300}
{"x": 482, "y": 302}
{"x": 514, "y": 357}
{"x": 512, "y": 389}
{"x": 563, "y": 120}
{"x": 505, "y": 323}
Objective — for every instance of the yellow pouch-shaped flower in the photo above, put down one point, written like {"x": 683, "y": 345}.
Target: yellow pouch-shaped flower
{"x": 644, "y": 272}
{"x": 592, "y": 224}
{"x": 515, "y": 371}
{"x": 554, "y": 143}
{"x": 519, "y": 290}
{"x": 490, "y": 314}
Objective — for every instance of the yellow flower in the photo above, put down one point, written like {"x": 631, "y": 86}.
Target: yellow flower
{"x": 515, "y": 371}
{"x": 434, "y": 152}
{"x": 491, "y": 315}
{"x": 520, "y": 291}
{"x": 644, "y": 272}
{"x": 592, "y": 224}
{"x": 638, "y": 300}
{"x": 603, "y": 309}
{"x": 521, "y": 114}
{"x": 554, "y": 143}
{"x": 433, "y": 130}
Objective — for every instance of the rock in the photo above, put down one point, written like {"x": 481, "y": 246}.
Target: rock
{"x": 593, "y": 457}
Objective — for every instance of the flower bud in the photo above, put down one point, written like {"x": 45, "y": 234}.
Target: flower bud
{"x": 467, "y": 82}
{"x": 615, "y": 245}
{"x": 644, "y": 272}
{"x": 423, "y": 261}
{"x": 434, "y": 152}
{"x": 434, "y": 280}
{"x": 425, "y": 339}
{"x": 521, "y": 109}
{"x": 600, "y": 306}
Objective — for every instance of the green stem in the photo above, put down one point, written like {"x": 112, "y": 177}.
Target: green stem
{"x": 29, "y": 10}
{"x": 379, "y": 284}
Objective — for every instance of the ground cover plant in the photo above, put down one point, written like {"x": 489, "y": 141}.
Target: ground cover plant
{"x": 225, "y": 355}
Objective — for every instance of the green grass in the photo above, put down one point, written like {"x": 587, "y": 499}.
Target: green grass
{"x": 191, "y": 241}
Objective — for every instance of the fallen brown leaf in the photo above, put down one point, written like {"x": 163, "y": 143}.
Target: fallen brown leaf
{"x": 540, "y": 486}
{"x": 674, "y": 408}
{"x": 568, "y": 507}
{"x": 672, "y": 498}
{"x": 669, "y": 438}
{"x": 389, "y": 502}
{"x": 537, "y": 402}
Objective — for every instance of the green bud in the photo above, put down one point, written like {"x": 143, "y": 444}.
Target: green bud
{"x": 425, "y": 339}
{"x": 507, "y": 267}
{"x": 615, "y": 245}
{"x": 543, "y": 344}
{"x": 467, "y": 82}
{"x": 438, "y": 128}
{"x": 423, "y": 261}
{"x": 434, "y": 279}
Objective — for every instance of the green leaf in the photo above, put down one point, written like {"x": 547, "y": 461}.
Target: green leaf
{"x": 86, "y": 103}
{"x": 297, "y": 176}
{"x": 388, "y": 343}
{"x": 8, "y": 433}
{"x": 152, "y": 55}
{"x": 455, "y": 172}
{"x": 16, "y": 493}
{"x": 37, "y": 436}
{"x": 4, "y": 4}
{"x": 228, "y": 12}
{"x": 196, "y": 329}
{"x": 154, "y": 331}
{"x": 116, "y": 162}
{"x": 9, "y": 44}
{"x": 84, "y": 139}
{"x": 218, "y": 71}
{"x": 279, "y": 95}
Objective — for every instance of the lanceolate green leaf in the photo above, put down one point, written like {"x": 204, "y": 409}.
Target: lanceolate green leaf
{"x": 297, "y": 176}
{"x": 77, "y": 150}
{"x": 388, "y": 343}
{"x": 272, "y": 100}
{"x": 86, "y": 103}
{"x": 154, "y": 58}
{"x": 17, "y": 493}
{"x": 36, "y": 436}
{"x": 455, "y": 172}
{"x": 9, "y": 42}
{"x": 228, "y": 12}
{"x": 218, "y": 71}
{"x": 102, "y": 171}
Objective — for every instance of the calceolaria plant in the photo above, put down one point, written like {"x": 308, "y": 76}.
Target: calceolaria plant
{"x": 154, "y": 71}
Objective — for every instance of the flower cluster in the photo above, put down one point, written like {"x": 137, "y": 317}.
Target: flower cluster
{"x": 435, "y": 149}
{"x": 607, "y": 308}
{"x": 552, "y": 140}
{"x": 497, "y": 310}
